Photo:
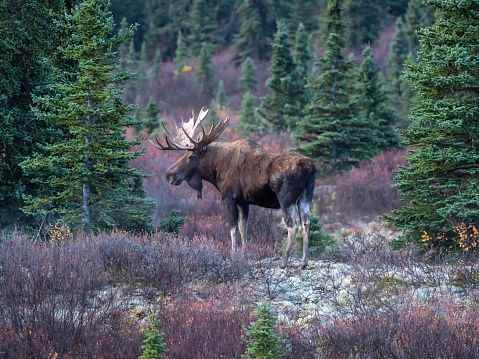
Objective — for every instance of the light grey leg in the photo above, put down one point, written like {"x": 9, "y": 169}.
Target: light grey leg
{"x": 243, "y": 224}
{"x": 289, "y": 243}
{"x": 234, "y": 232}
{"x": 304, "y": 208}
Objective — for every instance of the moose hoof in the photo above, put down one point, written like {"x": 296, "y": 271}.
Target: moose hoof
{"x": 304, "y": 266}
{"x": 283, "y": 265}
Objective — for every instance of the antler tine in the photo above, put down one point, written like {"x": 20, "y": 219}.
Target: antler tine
{"x": 215, "y": 131}
{"x": 170, "y": 145}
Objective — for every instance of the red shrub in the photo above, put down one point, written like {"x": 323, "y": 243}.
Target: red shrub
{"x": 212, "y": 328}
{"x": 365, "y": 191}
{"x": 53, "y": 303}
{"x": 418, "y": 331}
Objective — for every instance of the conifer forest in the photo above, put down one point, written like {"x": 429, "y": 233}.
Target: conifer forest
{"x": 229, "y": 179}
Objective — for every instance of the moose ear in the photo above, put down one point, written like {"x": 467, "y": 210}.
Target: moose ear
{"x": 196, "y": 183}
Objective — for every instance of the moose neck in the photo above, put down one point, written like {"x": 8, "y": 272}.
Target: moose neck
{"x": 210, "y": 164}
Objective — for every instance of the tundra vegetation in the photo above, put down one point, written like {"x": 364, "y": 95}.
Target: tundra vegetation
{"x": 101, "y": 257}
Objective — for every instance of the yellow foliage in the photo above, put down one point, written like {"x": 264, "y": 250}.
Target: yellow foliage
{"x": 59, "y": 233}
{"x": 468, "y": 236}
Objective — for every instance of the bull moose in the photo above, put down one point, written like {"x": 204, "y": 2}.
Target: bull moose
{"x": 244, "y": 175}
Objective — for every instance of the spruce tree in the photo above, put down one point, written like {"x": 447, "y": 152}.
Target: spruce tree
{"x": 132, "y": 60}
{"x": 418, "y": 14}
{"x": 181, "y": 53}
{"x": 374, "y": 108}
{"x": 364, "y": 19}
{"x": 204, "y": 73}
{"x": 157, "y": 63}
{"x": 329, "y": 130}
{"x": 439, "y": 186}
{"x": 330, "y": 23}
{"x": 154, "y": 346}
{"x": 31, "y": 33}
{"x": 253, "y": 38}
{"x": 220, "y": 99}
{"x": 398, "y": 54}
{"x": 151, "y": 121}
{"x": 84, "y": 174}
{"x": 201, "y": 25}
{"x": 248, "y": 123}
{"x": 143, "y": 55}
{"x": 281, "y": 105}
{"x": 248, "y": 76}
{"x": 305, "y": 12}
{"x": 303, "y": 57}
{"x": 263, "y": 342}
{"x": 159, "y": 29}
{"x": 124, "y": 48}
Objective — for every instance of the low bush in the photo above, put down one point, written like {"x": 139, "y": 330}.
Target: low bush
{"x": 364, "y": 192}
{"x": 205, "y": 329}
{"x": 417, "y": 331}
{"x": 53, "y": 303}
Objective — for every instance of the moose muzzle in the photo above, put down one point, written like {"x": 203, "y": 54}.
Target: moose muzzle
{"x": 173, "y": 179}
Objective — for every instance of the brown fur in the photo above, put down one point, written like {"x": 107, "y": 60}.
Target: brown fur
{"x": 245, "y": 175}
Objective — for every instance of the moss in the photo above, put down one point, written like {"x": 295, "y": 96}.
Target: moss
{"x": 390, "y": 283}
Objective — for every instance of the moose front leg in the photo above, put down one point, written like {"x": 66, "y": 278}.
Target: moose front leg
{"x": 232, "y": 215}
{"x": 243, "y": 224}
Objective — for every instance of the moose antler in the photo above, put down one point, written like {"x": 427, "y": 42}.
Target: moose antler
{"x": 184, "y": 137}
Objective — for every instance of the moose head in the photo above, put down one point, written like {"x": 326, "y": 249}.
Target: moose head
{"x": 186, "y": 138}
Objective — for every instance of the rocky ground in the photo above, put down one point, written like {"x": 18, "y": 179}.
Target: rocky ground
{"x": 361, "y": 273}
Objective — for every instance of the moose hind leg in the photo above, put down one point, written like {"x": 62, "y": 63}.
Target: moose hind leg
{"x": 290, "y": 218}
{"x": 304, "y": 210}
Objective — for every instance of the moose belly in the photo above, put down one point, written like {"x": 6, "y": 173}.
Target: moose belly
{"x": 263, "y": 197}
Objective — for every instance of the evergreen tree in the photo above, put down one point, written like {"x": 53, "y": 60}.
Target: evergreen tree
{"x": 439, "y": 186}
{"x": 281, "y": 106}
{"x": 181, "y": 53}
{"x": 398, "y": 54}
{"x": 374, "y": 107}
{"x": 201, "y": 25}
{"x": 132, "y": 57}
{"x": 161, "y": 31}
{"x": 220, "y": 99}
{"x": 329, "y": 130}
{"x": 248, "y": 75}
{"x": 253, "y": 38}
{"x": 418, "y": 14}
{"x": 31, "y": 32}
{"x": 84, "y": 175}
{"x": 248, "y": 123}
{"x": 213, "y": 117}
{"x": 302, "y": 58}
{"x": 263, "y": 342}
{"x": 205, "y": 73}
{"x": 305, "y": 12}
{"x": 151, "y": 121}
{"x": 124, "y": 48}
{"x": 154, "y": 346}
{"x": 282, "y": 11}
{"x": 364, "y": 20}
{"x": 330, "y": 21}
{"x": 157, "y": 63}
{"x": 143, "y": 55}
